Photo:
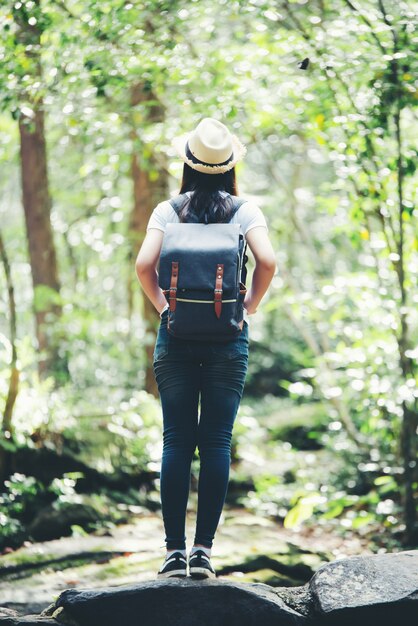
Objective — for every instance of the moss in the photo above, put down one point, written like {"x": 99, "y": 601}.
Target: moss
{"x": 268, "y": 577}
{"x": 23, "y": 557}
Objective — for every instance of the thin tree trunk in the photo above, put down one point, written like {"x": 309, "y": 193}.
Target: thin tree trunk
{"x": 407, "y": 444}
{"x": 6, "y": 433}
{"x": 408, "y": 437}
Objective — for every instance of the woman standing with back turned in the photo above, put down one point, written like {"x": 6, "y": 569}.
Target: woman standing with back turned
{"x": 189, "y": 371}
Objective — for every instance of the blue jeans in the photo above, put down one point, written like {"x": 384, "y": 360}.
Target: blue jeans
{"x": 188, "y": 372}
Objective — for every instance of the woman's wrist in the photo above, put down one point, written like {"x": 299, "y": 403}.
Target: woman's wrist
{"x": 162, "y": 310}
{"x": 248, "y": 307}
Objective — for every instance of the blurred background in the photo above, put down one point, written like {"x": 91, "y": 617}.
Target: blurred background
{"x": 323, "y": 94}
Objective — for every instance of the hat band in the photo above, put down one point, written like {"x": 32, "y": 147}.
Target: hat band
{"x": 199, "y": 162}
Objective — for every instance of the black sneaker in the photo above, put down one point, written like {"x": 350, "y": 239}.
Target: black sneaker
{"x": 174, "y": 565}
{"x": 200, "y": 565}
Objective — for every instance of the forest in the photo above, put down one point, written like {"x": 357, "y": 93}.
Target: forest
{"x": 324, "y": 94}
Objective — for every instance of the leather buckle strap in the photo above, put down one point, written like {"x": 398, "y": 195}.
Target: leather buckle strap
{"x": 173, "y": 285}
{"x": 218, "y": 289}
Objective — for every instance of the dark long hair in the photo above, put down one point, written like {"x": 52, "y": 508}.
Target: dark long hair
{"x": 207, "y": 205}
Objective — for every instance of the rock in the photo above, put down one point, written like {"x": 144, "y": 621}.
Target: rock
{"x": 52, "y": 523}
{"x": 27, "y": 620}
{"x": 8, "y": 617}
{"x": 191, "y": 602}
{"x": 4, "y": 612}
{"x": 359, "y": 590}
{"x": 382, "y": 588}
{"x": 299, "y": 599}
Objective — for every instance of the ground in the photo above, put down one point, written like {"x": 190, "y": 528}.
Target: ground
{"x": 246, "y": 548}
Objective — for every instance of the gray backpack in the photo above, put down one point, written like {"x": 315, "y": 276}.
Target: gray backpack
{"x": 202, "y": 273}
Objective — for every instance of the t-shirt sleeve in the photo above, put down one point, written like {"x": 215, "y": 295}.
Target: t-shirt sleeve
{"x": 158, "y": 218}
{"x": 250, "y": 216}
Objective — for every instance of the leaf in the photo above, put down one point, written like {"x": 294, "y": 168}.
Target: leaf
{"x": 383, "y": 480}
{"x": 302, "y": 511}
{"x": 78, "y": 531}
{"x": 362, "y": 520}
{"x": 8, "y": 445}
{"x": 45, "y": 297}
{"x": 334, "y": 511}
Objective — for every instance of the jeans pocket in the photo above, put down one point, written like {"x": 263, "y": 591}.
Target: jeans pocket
{"x": 161, "y": 344}
{"x": 233, "y": 349}
{"x": 159, "y": 353}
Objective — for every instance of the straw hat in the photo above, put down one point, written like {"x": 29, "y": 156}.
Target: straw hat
{"x": 210, "y": 148}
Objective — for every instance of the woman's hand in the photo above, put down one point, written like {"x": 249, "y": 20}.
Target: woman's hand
{"x": 248, "y": 306}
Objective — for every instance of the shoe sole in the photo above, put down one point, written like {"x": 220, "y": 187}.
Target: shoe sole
{"x": 201, "y": 572}
{"x": 174, "y": 572}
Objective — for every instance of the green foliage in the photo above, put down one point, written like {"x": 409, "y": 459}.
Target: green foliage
{"x": 22, "y": 496}
{"x": 45, "y": 297}
{"x": 332, "y": 162}
{"x": 296, "y": 488}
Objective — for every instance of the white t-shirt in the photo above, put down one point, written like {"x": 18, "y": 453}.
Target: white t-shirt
{"x": 248, "y": 216}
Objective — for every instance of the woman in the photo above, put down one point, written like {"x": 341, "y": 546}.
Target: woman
{"x": 189, "y": 371}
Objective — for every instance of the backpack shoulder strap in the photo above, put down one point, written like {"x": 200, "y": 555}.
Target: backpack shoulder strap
{"x": 177, "y": 202}
{"x": 237, "y": 203}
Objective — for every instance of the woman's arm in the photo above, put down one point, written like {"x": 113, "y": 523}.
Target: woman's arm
{"x": 146, "y": 264}
{"x": 265, "y": 266}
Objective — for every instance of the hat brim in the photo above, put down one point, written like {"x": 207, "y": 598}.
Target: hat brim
{"x": 239, "y": 150}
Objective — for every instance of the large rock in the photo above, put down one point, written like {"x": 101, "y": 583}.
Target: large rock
{"x": 359, "y": 591}
{"x": 175, "y": 601}
{"x": 382, "y": 588}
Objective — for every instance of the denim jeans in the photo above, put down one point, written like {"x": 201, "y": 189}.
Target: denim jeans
{"x": 190, "y": 374}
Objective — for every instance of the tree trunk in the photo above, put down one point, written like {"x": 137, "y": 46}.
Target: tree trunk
{"x": 36, "y": 200}
{"x": 150, "y": 186}
{"x": 37, "y": 207}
